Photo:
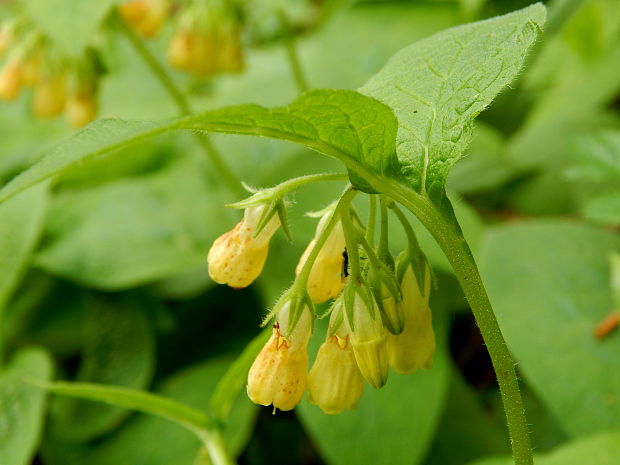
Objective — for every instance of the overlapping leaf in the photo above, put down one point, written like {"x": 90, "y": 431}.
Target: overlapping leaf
{"x": 437, "y": 87}
{"x": 22, "y": 406}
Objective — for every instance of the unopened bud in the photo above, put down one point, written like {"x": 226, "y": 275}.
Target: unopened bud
{"x": 237, "y": 257}
{"x": 145, "y": 16}
{"x": 326, "y": 276}
{"x": 180, "y": 50}
{"x": 49, "y": 97}
{"x": 413, "y": 349}
{"x": 81, "y": 109}
{"x": 278, "y": 375}
{"x": 11, "y": 81}
{"x": 369, "y": 341}
{"x": 387, "y": 295}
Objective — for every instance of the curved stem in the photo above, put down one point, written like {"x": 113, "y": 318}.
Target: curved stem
{"x": 291, "y": 53}
{"x": 372, "y": 219}
{"x": 294, "y": 183}
{"x": 343, "y": 204}
{"x": 455, "y": 247}
{"x": 183, "y": 105}
{"x": 214, "y": 443}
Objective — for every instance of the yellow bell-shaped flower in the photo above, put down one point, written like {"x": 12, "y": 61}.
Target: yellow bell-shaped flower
{"x": 278, "y": 375}
{"x": 237, "y": 257}
{"x": 49, "y": 96}
{"x": 413, "y": 349}
{"x": 326, "y": 276}
{"x": 11, "y": 80}
{"x": 145, "y": 16}
{"x": 81, "y": 109}
{"x": 335, "y": 382}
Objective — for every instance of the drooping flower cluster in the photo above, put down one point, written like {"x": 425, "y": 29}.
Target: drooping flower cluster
{"x": 207, "y": 33}
{"x": 209, "y": 36}
{"x": 380, "y": 317}
{"x": 59, "y": 83}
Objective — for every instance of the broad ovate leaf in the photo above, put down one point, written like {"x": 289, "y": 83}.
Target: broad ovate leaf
{"x": 118, "y": 349}
{"x": 549, "y": 282}
{"x": 358, "y": 130}
{"x": 437, "y": 86}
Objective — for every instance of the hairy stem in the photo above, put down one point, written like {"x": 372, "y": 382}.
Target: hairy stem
{"x": 372, "y": 218}
{"x": 455, "y": 247}
{"x": 216, "y": 159}
{"x": 343, "y": 204}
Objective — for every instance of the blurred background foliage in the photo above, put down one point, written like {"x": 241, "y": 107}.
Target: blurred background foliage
{"x": 106, "y": 280}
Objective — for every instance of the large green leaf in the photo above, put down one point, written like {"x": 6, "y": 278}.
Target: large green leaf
{"x": 392, "y": 425}
{"x": 549, "y": 285}
{"x": 21, "y": 220}
{"x": 465, "y": 421}
{"x": 358, "y": 130}
{"x": 602, "y": 449}
{"x": 437, "y": 86}
{"x": 70, "y": 23}
{"x": 22, "y": 406}
{"x": 125, "y": 233}
{"x": 118, "y": 349}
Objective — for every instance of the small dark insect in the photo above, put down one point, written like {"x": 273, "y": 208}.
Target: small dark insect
{"x": 345, "y": 263}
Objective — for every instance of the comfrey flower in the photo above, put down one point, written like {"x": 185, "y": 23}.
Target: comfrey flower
{"x": 413, "y": 349}
{"x": 49, "y": 96}
{"x": 207, "y": 40}
{"x": 368, "y": 335}
{"x": 335, "y": 382}
{"x": 11, "y": 80}
{"x": 278, "y": 375}
{"x": 145, "y": 16}
{"x": 326, "y": 278}
{"x": 237, "y": 257}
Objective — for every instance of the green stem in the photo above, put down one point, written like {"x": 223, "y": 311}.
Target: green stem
{"x": 372, "y": 218}
{"x": 451, "y": 240}
{"x": 350, "y": 234}
{"x": 343, "y": 204}
{"x": 411, "y": 237}
{"x": 183, "y": 105}
{"x": 295, "y": 183}
{"x": 291, "y": 52}
{"x": 214, "y": 443}
{"x": 384, "y": 247}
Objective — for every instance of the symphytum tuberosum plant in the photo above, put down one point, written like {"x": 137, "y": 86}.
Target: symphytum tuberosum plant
{"x": 397, "y": 136}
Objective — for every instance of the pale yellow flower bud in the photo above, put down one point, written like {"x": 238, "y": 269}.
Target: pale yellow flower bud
{"x": 180, "y": 50}
{"x": 237, "y": 258}
{"x": 335, "y": 382}
{"x": 326, "y": 276}
{"x": 49, "y": 97}
{"x": 413, "y": 349}
{"x": 31, "y": 69}
{"x": 145, "y": 16}
{"x": 369, "y": 341}
{"x": 11, "y": 81}
{"x": 278, "y": 375}
{"x": 391, "y": 310}
{"x": 80, "y": 109}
